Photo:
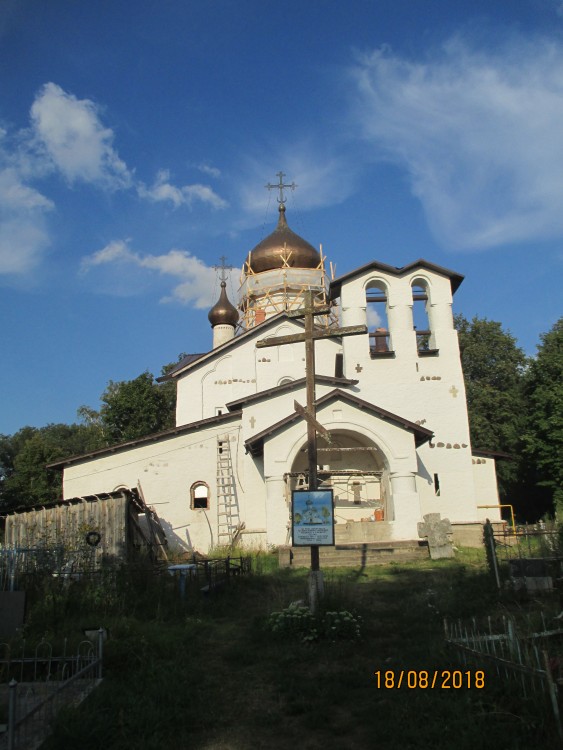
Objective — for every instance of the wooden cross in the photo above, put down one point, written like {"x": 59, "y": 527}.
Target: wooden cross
{"x": 309, "y": 336}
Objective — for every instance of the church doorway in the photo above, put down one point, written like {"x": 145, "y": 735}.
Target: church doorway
{"x": 355, "y": 469}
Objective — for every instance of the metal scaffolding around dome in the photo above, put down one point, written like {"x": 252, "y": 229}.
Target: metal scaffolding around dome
{"x": 281, "y": 289}
{"x": 279, "y": 270}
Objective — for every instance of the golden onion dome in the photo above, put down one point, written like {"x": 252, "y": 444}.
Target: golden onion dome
{"x": 282, "y": 244}
{"x": 223, "y": 312}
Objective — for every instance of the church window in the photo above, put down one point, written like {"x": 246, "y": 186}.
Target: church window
{"x": 420, "y": 316}
{"x": 376, "y": 311}
{"x": 199, "y": 496}
{"x": 436, "y": 484}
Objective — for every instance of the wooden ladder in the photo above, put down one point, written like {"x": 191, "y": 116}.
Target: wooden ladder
{"x": 228, "y": 518}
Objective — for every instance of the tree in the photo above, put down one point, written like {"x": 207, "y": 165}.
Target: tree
{"x": 134, "y": 408}
{"x": 543, "y": 438}
{"x": 131, "y": 409}
{"x": 24, "y": 480}
{"x": 493, "y": 368}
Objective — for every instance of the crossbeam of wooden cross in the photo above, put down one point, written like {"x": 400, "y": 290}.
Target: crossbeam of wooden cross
{"x": 311, "y": 420}
{"x": 309, "y": 336}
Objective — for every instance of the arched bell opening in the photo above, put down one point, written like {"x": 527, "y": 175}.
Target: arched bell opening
{"x": 357, "y": 471}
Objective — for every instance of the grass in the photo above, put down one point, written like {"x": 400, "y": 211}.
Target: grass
{"x": 207, "y": 673}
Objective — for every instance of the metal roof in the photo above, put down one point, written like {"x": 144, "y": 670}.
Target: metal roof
{"x": 255, "y": 444}
{"x": 154, "y": 438}
{"x": 336, "y": 284}
{"x": 278, "y": 389}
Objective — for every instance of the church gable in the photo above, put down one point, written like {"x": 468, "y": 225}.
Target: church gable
{"x": 338, "y": 406}
{"x": 238, "y": 369}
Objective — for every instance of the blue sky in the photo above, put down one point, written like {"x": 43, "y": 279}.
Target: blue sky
{"x": 136, "y": 138}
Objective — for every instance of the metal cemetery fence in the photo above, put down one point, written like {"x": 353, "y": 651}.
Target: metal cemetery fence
{"x": 532, "y": 661}
{"x": 528, "y": 557}
{"x": 36, "y": 684}
{"x": 18, "y": 562}
{"x": 207, "y": 575}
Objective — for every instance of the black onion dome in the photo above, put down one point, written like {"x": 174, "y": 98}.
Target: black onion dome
{"x": 269, "y": 253}
{"x": 223, "y": 312}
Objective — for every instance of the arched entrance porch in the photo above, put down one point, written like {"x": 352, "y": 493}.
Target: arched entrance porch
{"x": 356, "y": 469}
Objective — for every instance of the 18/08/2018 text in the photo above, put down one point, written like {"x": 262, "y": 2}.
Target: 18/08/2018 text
{"x": 444, "y": 679}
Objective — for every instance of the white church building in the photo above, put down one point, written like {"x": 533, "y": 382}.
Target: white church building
{"x": 392, "y": 399}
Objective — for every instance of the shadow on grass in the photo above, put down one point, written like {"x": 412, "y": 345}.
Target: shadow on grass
{"x": 211, "y": 676}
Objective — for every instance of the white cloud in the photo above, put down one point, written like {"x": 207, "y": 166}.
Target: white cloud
{"x": 75, "y": 140}
{"x": 16, "y": 196}
{"x": 162, "y": 191}
{"x": 22, "y": 243}
{"x": 479, "y": 133}
{"x": 373, "y": 317}
{"x": 320, "y": 178}
{"x": 209, "y": 170}
{"x": 116, "y": 251}
{"x": 23, "y": 232}
{"x": 71, "y": 134}
{"x": 68, "y": 137}
{"x": 196, "y": 282}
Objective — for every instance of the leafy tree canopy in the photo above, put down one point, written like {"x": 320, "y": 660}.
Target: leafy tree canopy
{"x": 493, "y": 368}
{"x": 129, "y": 409}
{"x": 24, "y": 480}
{"x": 543, "y": 439}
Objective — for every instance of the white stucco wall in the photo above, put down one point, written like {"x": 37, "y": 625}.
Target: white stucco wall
{"x": 240, "y": 370}
{"x": 486, "y": 491}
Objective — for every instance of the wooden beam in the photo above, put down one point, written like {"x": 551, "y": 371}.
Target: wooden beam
{"x": 329, "y": 333}
{"x": 311, "y": 420}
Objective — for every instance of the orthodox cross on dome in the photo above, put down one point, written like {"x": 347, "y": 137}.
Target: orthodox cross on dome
{"x": 281, "y": 186}
{"x": 223, "y": 268}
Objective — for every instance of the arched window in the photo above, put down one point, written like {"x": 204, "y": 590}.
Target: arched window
{"x": 199, "y": 496}
{"x": 420, "y": 315}
{"x": 376, "y": 312}
{"x": 284, "y": 381}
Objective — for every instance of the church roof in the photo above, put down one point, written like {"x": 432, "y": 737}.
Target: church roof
{"x": 154, "y": 438}
{"x": 282, "y": 247}
{"x": 336, "y": 284}
{"x": 223, "y": 311}
{"x": 255, "y": 444}
{"x": 278, "y": 389}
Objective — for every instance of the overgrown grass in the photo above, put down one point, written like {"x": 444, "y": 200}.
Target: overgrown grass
{"x": 208, "y": 674}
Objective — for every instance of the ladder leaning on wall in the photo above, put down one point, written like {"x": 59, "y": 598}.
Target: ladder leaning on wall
{"x": 229, "y": 525}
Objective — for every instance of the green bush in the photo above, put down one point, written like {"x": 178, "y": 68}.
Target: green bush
{"x": 298, "y": 623}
